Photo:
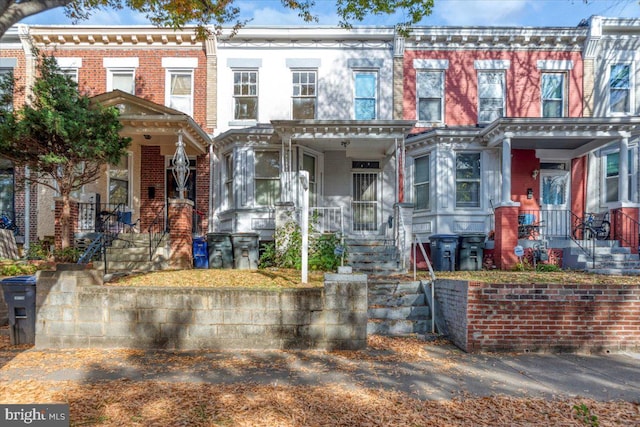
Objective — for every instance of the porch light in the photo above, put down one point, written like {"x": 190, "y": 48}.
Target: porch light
{"x": 180, "y": 166}
{"x": 534, "y": 173}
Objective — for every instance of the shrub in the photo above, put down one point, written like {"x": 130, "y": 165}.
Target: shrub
{"x": 67, "y": 255}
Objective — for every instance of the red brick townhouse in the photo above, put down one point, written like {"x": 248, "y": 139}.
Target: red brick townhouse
{"x": 502, "y": 145}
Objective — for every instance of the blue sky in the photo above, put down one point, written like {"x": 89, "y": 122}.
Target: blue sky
{"x": 446, "y": 12}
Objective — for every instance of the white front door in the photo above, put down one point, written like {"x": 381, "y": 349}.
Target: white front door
{"x": 365, "y": 202}
{"x": 554, "y": 194}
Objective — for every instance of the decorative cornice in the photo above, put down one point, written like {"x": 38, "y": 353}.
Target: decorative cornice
{"x": 113, "y": 36}
{"x": 498, "y": 38}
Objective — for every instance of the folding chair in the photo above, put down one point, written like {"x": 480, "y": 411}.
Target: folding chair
{"x": 124, "y": 219}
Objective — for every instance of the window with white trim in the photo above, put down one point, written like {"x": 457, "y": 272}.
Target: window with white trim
{"x": 365, "y": 95}
{"x": 121, "y": 79}
{"x": 309, "y": 164}
{"x": 620, "y": 88}
{"x": 245, "y": 95}
{"x": 467, "y": 180}
{"x": 612, "y": 165}
{"x": 266, "y": 178}
{"x": 430, "y": 92}
{"x": 179, "y": 91}
{"x": 228, "y": 183}
{"x": 552, "y": 94}
{"x": 490, "y": 96}
{"x": 303, "y": 102}
{"x": 421, "y": 179}
{"x": 6, "y": 92}
{"x": 119, "y": 178}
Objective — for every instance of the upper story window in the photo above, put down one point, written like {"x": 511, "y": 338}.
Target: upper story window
{"x": 365, "y": 95}
{"x": 491, "y": 91}
{"x": 267, "y": 178}
{"x": 121, "y": 73}
{"x": 553, "y": 88}
{"x": 69, "y": 67}
{"x": 180, "y": 90}
{"x": 6, "y": 91}
{"x": 620, "y": 89}
{"x": 245, "y": 95}
{"x": 430, "y": 90}
{"x": 467, "y": 180}
{"x": 303, "y": 105}
{"x": 421, "y": 178}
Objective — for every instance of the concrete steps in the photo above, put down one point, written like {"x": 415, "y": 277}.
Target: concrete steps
{"x": 609, "y": 258}
{"x": 129, "y": 253}
{"x": 374, "y": 257}
{"x": 397, "y": 309}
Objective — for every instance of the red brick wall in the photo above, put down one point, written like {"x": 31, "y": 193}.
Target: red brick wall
{"x": 523, "y": 162}
{"x": 152, "y": 172}
{"x": 461, "y": 83}
{"x": 202, "y": 190}
{"x": 180, "y": 216}
{"x": 541, "y": 317}
{"x": 578, "y": 185}
{"x": 506, "y": 236}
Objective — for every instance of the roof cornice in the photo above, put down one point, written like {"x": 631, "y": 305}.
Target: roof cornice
{"x": 113, "y": 36}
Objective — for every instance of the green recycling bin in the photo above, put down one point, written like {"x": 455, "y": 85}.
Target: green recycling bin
{"x": 20, "y": 296}
{"x": 471, "y": 251}
{"x": 245, "y": 250}
{"x": 220, "y": 250}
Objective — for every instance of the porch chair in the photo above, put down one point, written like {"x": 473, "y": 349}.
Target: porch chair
{"x": 124, "y": 221}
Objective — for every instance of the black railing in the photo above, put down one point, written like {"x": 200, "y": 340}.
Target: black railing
{"x": 157, "y": 230}
{"x": 626, "y": 229}
{"x": 93, "y": 216}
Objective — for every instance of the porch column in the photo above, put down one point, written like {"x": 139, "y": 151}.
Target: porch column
{"x": 623, "y": 170}
{"x": 506, "y": 171}
{"x": 180, "y": 217}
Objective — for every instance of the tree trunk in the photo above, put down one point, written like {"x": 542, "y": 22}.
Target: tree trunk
{"x": 65, "y": 220}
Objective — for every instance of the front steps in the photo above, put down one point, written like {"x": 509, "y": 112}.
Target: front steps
{"x": 610, "y": 258}
{"x": 397, "y": 309}
{"x": 374, "y": 257}
{"x": 129, "y": 253}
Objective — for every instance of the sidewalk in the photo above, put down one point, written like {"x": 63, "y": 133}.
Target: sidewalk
{"x": 428, "y": 371}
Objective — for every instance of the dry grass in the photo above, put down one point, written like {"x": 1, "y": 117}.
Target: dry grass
{"x": 267, "y": 279}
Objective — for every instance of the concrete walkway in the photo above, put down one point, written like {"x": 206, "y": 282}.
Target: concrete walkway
{"x": 442, "y": 372}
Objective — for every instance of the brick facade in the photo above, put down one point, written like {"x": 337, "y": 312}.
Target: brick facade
{"x": 180, "y": 216}
{"x": 152, "y": 185}
{"x": 540, "y": 317}
{"x": 506, "y": 236}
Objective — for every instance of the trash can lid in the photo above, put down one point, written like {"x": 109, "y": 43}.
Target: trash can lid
{"x": 20, "y": 280}
{"x": 443, "y": 236}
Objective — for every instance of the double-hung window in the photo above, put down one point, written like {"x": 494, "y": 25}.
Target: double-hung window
{"x": 267, "y": 178}
{"x": 613, "y": 175}
{"x": 245, "y": 95}
{"x": 303, "y": 103}
{"x": 180, "y": 90}
{"x": 365, "y": 95}
{"x": 491, "y": 87}
{"x": 421, "y": 178}
{"x": 6, "y": 90}
{"x": 620, "y": 88}
{"x": 228, "y": 183}
{"x": 468, "y": 180}
{"x": 553, "y": 95}
{"x": 119, "y": 177}
{"x": 121, "y": 79}
{"x": 430, "y": 91}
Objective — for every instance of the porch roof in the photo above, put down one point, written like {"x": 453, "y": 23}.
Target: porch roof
{"x": 566, "y": 137}
{"x": 148, "y": 123}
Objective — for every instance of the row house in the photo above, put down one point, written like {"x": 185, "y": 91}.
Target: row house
{"x": 449, "y": 130}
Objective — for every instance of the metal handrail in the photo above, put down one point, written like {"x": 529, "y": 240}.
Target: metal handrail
{"x": 418, "y": 243}
{"x": 623, "y": 221}
{"x": 156, "y": 230}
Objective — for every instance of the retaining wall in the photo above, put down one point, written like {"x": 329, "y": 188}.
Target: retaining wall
{"x": 74, "y": 309}
{"x": 540, "y": 317}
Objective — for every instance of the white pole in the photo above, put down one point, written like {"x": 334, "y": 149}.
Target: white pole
{"x": 304, "y": 225}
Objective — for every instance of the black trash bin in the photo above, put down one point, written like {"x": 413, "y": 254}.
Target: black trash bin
{"x": 444, "y": 248}
{"x": 200, "y": 253}
{"x": 245, "y": 250}
{"x": 471, "y": 251}
{"x": 20, "y": 296}
{"x": 220, "y": 250}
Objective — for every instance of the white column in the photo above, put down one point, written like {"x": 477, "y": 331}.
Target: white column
{"x": 623, "y": 170}
{"x": 506, "y": 171}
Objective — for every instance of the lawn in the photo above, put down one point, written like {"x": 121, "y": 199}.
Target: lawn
{"x": 275, "y": 278}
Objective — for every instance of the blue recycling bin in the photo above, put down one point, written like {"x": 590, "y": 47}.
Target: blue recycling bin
{"x": 20, "y": 296}
{"x": 200, "y": 253}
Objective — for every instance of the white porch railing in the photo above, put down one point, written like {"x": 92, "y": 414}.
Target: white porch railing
{"x": 327, "y": 219}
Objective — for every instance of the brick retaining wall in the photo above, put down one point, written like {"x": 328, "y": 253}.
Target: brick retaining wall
{"x": 540, "y": 317}
{"x": 75, "y": 310}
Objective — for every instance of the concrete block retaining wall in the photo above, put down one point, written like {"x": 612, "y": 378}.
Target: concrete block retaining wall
{"x": 540, "y": 317}
{"x": 75, "y": 310}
